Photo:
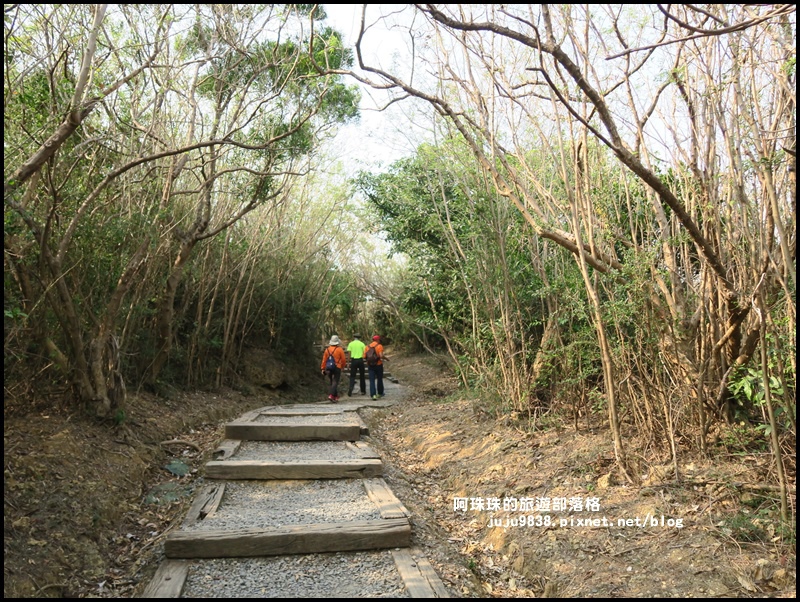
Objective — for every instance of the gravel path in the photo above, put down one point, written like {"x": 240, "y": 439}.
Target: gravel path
{"x": 283, "y": 451}
{"x": 258, "y": 504}
{"x": 338, "y": 575}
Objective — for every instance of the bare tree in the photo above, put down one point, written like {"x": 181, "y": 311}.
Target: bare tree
{"x": 510, "y": 78}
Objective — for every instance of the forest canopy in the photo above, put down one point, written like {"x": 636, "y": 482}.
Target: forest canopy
{"x": 602, "y": 226}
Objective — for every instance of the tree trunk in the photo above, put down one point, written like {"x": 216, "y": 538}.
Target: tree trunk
{"x": 165, "y": 313}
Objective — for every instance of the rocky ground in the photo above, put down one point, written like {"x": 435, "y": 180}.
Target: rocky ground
{"x": 86, "y": 506}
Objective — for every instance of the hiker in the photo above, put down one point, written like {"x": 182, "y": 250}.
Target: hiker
{"x": 333, "y": 368}
{"x": 356, "y": 352}
{"x": 374, "y": 358}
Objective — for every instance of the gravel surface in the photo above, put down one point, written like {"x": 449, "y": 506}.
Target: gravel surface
{"x": 338, "y": 575}
{"x": 279, "y": 451}
{"x": 257, "y": 504}
{"x": 344, "y": 418}
{"x": 305, "y": 410}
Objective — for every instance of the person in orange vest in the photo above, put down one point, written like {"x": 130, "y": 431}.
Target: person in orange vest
{"x": 333, "y": 362}
{"x": 374, "y": 357}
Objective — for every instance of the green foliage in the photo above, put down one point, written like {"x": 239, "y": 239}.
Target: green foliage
{"x": 14, "y": 314}
{"x": 790, "y": 67}
{"x": 744, "y": 438}
{"x": 288, "y": 71}
{"x": 471, "y": 277}
{"x": 260, "y": 85}
{"x": 119, "y": 417}
{"x": 747, "y": 387}
{"x": 30, "y": 105}
{"x": 748, "y": 384}
{"x": 759, "y": 521}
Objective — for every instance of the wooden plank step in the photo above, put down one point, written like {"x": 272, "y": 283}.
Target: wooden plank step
{"x": 386, "y": 501}
{"x": 168, "y": 580}
{"x": 420, "y": 579}
{"x": 362, "y": 449}
{"x": 249, "y": 416}
{"x": 363, "y": 426}
{"x": 300, "y": 539}
{"x": 226, "y": 449}
{"x": 296, "y": 469}
{"x": 248, "y": 431}
{"x": 205, "y": 503}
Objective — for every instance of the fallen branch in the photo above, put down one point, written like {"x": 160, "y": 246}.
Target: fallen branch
{"x": 736, "y": 485}
{"x": 181, "y": 442}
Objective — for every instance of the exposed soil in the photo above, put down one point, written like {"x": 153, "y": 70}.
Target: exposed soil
{"x": 87, "y": 506}
{"x": 442, "y": 447}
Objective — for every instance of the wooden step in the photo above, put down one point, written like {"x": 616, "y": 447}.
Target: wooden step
{"x": 297, "y": 431}
{"x": 383, "y": 497}
{"x": 295, "y": 469}
{"x": 362, "y": 449}
{"x": 300, "y": 539}
{"x": 358, "y": 460}
{"x": 418, "y": 575}
{"x": 420, "y": 579}
{"x": 168, "y": 580}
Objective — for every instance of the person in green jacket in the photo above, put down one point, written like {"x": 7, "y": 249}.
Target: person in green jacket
{"x": 356, "y": 352}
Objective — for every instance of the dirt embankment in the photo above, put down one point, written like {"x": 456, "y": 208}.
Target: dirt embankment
{"x": 508, "y": 513}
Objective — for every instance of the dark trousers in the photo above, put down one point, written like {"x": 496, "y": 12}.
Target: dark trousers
{"x": 333, "y": 379}
{"x": 357, "y": 364}
{"x": 375, "y": 380}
